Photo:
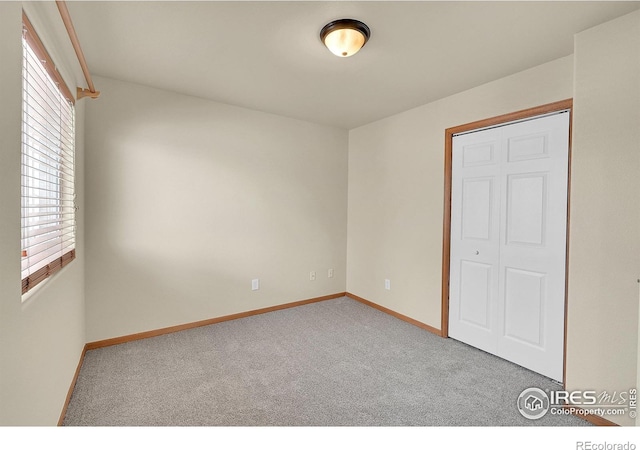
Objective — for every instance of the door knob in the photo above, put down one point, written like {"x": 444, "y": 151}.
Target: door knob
{"x": 477, "y": 252}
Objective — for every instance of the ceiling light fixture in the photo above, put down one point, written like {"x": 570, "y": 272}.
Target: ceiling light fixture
{"x": 345, "y": 37}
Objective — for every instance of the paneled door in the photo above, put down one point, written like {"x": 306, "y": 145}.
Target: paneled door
{"x": 508, "y": 241}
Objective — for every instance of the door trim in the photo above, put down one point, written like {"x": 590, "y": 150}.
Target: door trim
{"x": 446, "y": 237}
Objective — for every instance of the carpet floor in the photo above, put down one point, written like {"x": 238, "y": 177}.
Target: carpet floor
{"x": 332, "y": 363}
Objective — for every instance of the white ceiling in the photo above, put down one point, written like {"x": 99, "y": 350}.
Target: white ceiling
{"x": 268, "y": 55}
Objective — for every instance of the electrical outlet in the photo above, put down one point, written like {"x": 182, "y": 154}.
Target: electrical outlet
{"x": 255, "y": 284}
{"x": 312, "y": 275}
{"x": 387, "y": 284}
{"x": 330, "y": 273}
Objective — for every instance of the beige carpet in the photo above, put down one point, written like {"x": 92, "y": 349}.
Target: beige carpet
{"x": 333, "y": 363}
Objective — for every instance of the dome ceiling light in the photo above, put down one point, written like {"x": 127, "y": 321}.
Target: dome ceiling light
{"x": 345, "y": 37}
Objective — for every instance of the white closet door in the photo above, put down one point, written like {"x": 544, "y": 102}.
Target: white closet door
{"x": 475, "y": 239}
{"x": 508, "y": 241}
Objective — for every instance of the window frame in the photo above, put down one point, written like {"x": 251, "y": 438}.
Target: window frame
{"x": 65, "y": 178}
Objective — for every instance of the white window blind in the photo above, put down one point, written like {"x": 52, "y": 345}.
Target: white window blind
{"x": 48, "y": 196}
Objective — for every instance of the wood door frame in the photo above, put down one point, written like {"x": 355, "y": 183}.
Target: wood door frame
{"x": 446, "y": 237}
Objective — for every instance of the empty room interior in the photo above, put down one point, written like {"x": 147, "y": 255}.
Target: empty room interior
{"x": 230, "y": 167}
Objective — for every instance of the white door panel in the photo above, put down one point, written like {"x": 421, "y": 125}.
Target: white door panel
{"x": 525, "y": 296}
{"x": 475, "y": 216}
{"x": 508, "y": 241}
{"x": 477, "y": 200}
{"x": 526, "y": 208}
{"x": 475, "y": 294}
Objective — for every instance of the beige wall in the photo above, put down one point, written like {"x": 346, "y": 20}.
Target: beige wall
{"x": 396, "y": 188}
{"x": 189, "y": 200}
{"x": 41, "y": 338}
{"x": 604, "y": 258}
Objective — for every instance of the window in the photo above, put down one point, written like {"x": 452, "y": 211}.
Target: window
{"x": 48, "y": 193}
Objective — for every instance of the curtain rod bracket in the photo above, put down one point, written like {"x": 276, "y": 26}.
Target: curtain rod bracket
{"x": 82, "y": 93}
